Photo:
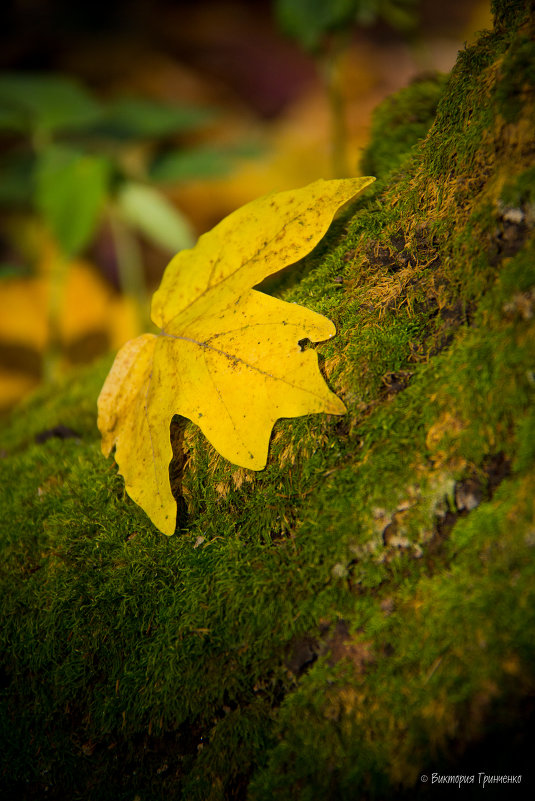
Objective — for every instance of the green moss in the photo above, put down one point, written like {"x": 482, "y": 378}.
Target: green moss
{"x": 517, "y": 79}
{"x": 399, "y": 122}
{"x": 70, "y": 403}
{"x": 361, "y": 611}
{"x": 509, "y": 14}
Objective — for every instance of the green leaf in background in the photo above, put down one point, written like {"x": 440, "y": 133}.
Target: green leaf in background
{"x": 154, "y": 216}
{"x": 11, "y": 119}
{"x": 146, "y": 119}
{"x": 186, "y": 165}
{"x": 71, "y": 188}
{"x": 44, "y": 103}
{"x": 400, "y": 14}
{"x": 203, "y": 162}
{"x": 308, "y": 21}
{"x": 16, "y": 179}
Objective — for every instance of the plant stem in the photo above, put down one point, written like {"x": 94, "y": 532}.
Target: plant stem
{"x": 330, "y": 69}
{"x": 56, "y": 299}
{"x": 130, "y": 267}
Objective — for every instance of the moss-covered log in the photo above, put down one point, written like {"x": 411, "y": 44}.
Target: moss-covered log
{"x": 362, "y": 611}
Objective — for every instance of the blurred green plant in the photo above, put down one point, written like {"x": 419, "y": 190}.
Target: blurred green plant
{"x": 75, "y": 161}
{"x": 324, "y": 30}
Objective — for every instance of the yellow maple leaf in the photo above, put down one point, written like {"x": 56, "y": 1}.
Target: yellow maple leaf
{"x": 227, "y": 356}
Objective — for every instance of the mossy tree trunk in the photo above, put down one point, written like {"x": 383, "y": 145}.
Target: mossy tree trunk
{"x": 360, "y": 613}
